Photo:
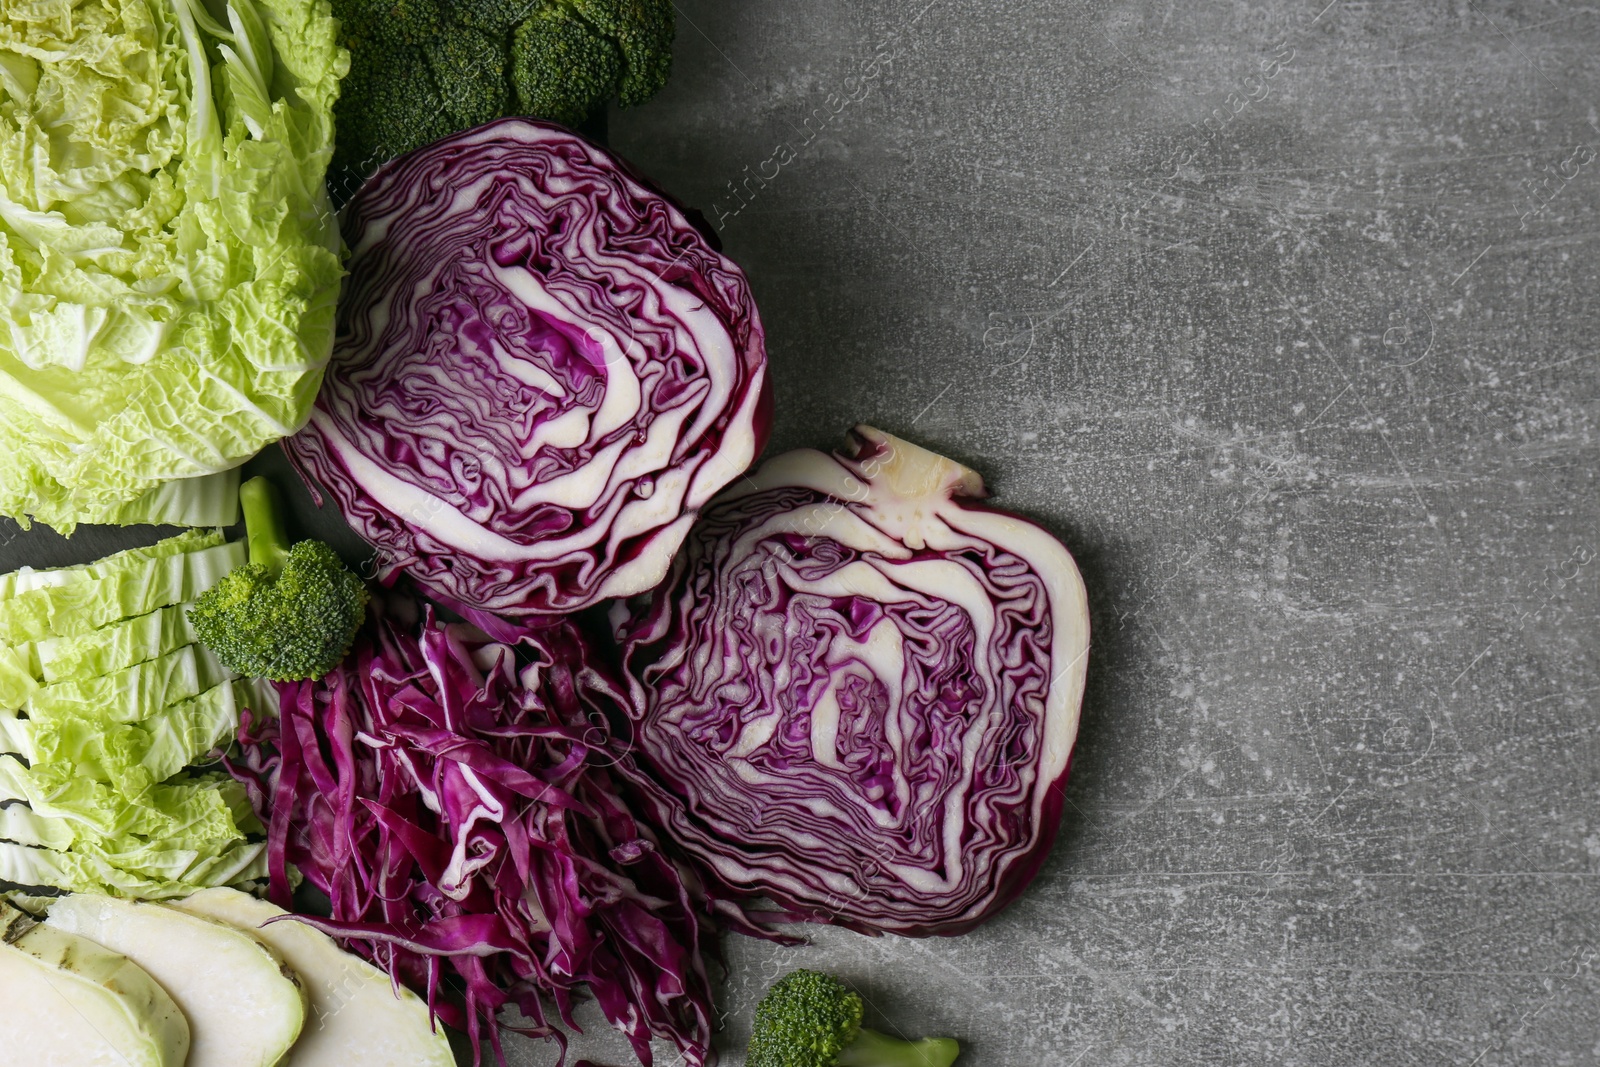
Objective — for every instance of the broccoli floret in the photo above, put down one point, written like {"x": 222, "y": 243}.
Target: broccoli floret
{"x": 289, "y": 613}
{"x": 562, "y": 69}
{"x": 495, "y": 16}
{"x": 389, "y": 116}
{"x": 369, "y": 24}
{"x": 809, "y": 1019}
{"x": 421, "y": 69}
{"x": 643, "y": 30}
{"x": 470, "y": 66}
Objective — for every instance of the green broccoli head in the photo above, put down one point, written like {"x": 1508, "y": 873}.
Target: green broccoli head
{"x": 291, "y": 612}
{"x": 373, "y": 25}
{"x": 805, "y": 1020}
{"x": 388, "y": 115}
{"x": 809, "y": 1019}
{"x": 498, "y": 17}
{"x": 422, "y": 69}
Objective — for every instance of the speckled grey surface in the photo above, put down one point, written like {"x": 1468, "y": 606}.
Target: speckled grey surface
{"x": 1282, "y": 315}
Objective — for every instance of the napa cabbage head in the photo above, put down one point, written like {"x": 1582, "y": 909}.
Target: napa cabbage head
{"x": 168, "y": 258}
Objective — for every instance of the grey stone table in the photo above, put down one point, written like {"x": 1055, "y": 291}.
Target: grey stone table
{"x": 1283, "y": 315}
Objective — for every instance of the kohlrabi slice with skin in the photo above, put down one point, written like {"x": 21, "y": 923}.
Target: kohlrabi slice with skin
{"x": 70, "y": 1002}
{"x": 356, "y": 1014}
{"x": 244, "y": 1005}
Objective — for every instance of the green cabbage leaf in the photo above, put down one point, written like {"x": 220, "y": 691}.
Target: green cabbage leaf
{"x": 169, "y": 262}
{"x": 109, "y": 713}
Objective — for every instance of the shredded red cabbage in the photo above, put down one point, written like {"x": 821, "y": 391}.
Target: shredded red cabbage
{"x": 459, "y": 813}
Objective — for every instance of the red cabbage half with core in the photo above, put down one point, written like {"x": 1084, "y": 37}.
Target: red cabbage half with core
{"x": 857, "y": 691}
{"x": 542, "y": 372}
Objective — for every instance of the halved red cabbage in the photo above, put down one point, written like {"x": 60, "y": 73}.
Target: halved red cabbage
{"x": 857, "y": 692}
{"x": 542, "y": 372}
{"x": 451, "y": 796}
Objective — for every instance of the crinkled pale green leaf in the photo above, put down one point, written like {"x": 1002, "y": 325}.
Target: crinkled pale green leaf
{"x": 17, "y": 682}
{"x": 110, "y": 648}
{"x": 21, "y": 824}
{"x": 149, "y": 872}
{"x": 132, "y": 694}
{"x": 129, "y": 753}
{"x": 168, "y": 261}
{"x": 184, "y": 811}
{"x": 117, "y": 588}
{"x": 177, "y": 736}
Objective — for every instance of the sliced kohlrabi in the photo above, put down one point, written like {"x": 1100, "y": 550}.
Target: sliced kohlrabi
{"x": 70, "y": 1002}
{"x": 244, "y": 1005}
{"x": 357, "y": 1014}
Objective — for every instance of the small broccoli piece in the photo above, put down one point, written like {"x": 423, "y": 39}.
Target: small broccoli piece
{"x": 289, "y": 613}
{"x": 809, "y": 1019}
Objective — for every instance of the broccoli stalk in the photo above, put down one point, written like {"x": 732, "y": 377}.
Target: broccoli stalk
{"x": 264, "y": 531}
{"x": 289, "y": 613}
{"x": 809, "y": 1019}
{"x": 872, "y": 1049}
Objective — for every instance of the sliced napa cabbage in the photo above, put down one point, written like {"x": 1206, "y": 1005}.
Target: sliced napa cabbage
{"x": 130, "y": 583}
{"x": 106, "y": 706}
{"x": 110, "y": 648}
{"x": 112, "y": 614}
{"x": 244, "y": 1005}
{"x": 70, "y": 1002}
{"x": 206, "y": 500}
{"x": 27, "y": 579}
{"x": 17, "y": 681}
{"x": 129, "y": 756}
{"x": 133, "y": 693}
{"x": 22, "y": 825}
{"x": 196, "y": 810}
{"x": 357, "y": 1014}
